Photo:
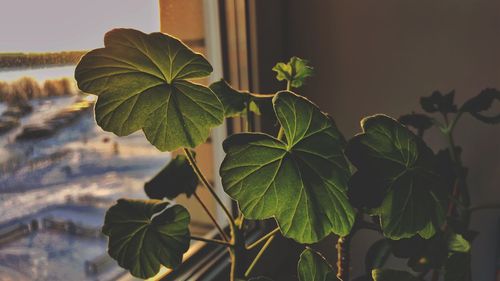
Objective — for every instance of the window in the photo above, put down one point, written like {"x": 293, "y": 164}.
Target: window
{"x": 58, "y": 170}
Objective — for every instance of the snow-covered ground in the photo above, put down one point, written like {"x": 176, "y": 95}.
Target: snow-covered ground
{"x": 80, "y": 164}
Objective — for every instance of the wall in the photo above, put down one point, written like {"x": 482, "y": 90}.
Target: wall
{"x": 381, "y": 56}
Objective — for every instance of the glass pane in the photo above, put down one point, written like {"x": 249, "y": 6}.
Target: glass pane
{"x": 59, "y": 171}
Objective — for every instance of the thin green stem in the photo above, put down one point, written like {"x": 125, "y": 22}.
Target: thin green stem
{"x": 259, "y": 255}
{"x": 262, "y": 239}
{"x": 214, "y": 241}
{"x": 212, "y": 218}
{"x": 288, "y": 85}
{"x": 205, "y": 182}
{"x": 248, "y": 119}
{"x": 281, "y": 133}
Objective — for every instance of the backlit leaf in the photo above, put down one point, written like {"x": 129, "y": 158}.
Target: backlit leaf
{"x": 301, "y": 182}
{"x": 390, "y": 155}
{"x": 176, "y": 178}
{"x": 296, "y": 71}
{"x": 313, "y": 267}
{"x": 144, "y": 234}
{"x": 457, "y": 243}
{"x": 141, "y": 81}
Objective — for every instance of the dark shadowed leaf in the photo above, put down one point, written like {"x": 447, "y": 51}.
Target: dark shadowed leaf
{"x": 431, "y": 255}
{"x": 296, "y": 71}
{"x": 438, "y": 102}
{"x": 141, "y": 81}
{"x": 407, "y": 247}
{"x": 314, "y": 267}
{"x": 420, "y": 122}
{"x": 482, "y": 102}
{"x": 174, "y": 179}
{"x": 144, "y": 234}
{"x": 366, "y": 191}
{"x": 458, "y": 267}
{"x": 388, "y": 153}
{"x": 377, "y": 255}
{"x": 234, "y": 102}
{"x": 301, "y": 182}
{"x": 392, "y": 275}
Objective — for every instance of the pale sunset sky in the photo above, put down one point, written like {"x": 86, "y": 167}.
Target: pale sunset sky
{"x": 59, "y": 25}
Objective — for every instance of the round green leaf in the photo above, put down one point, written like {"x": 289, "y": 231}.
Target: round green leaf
{"x": 144, "y": 234}
{"x": 390, "y": 155}
{"x": 301, "y": 182}
{"x": 176, "y": 178}
{"x": 141, "y": 83}
{"x": 313, "y": 267}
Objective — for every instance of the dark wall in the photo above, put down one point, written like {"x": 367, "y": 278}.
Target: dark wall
{"x": 381, "y": 56}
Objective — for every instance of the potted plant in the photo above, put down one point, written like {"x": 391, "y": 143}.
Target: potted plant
{"x": 309, "y": 178}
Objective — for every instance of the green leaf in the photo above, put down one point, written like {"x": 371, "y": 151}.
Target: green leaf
{"x": 377, "y": 255}
{"x": 313, "y": 266}
{"x": 175, "y": 178}
{"x": 144, "y": 234}
{"x": 408, "y": 247}
{"x": 141, "y": 81}
{"x": 295, "y": 71}
{"x": 392, "y": 275}
{"x": 301, "y": 182}
{"x": 390, "y": 156}
{"x": 234, "y": 102}
{"x": 457, "y": 243}
{"x": 483, "y": 102}
{"x": 458, "y": 267}
{"x": 438, "y": 102}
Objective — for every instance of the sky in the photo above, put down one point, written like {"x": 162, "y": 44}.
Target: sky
{"x": 59, "y": 25}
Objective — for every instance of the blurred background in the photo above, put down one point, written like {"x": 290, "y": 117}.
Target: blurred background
{"x": 59, "y": 171}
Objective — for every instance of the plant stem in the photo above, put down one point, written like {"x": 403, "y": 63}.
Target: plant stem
{"x": 259, "y": 255}
{"x": 343, "y": 257}
{"x": 263, "y": 238}
{"x": 205, "y": 182}
{"x": 248, "y": 119}
{"x": 281, "y": 132}
{"x": 215, "y": 241}
{"x": 237, "y": 254}
{"x": 288, "y": 85}
{"x": 214, "y": 221}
